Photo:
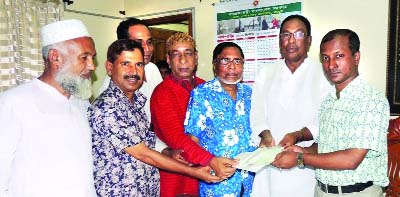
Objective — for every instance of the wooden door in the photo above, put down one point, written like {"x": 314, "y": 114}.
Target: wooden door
{"x": 160, "y": 37}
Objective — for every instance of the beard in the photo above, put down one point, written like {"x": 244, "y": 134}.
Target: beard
{"x": 74, "y": 84}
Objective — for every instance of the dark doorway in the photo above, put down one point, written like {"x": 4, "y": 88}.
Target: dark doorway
{"x": 160, "y": 36}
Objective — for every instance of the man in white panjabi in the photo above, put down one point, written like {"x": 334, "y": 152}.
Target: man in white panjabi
{"x": 285, "y": 102}
{"x": 45, "y": 139}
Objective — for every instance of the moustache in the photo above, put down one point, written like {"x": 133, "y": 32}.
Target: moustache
{"x": 137, "y": 77}
{"x": 334, "y": 70}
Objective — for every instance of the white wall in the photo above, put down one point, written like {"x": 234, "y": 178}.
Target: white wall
{"x": 204, "y": 24}
{"x": 102, "y": 29}
{"x": 368, "y": 18}
{"x": 175, "y": 27}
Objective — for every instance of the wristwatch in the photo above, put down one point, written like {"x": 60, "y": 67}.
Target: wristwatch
{"x": 300, "y": 161}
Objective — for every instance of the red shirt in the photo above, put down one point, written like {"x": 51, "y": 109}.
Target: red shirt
{"x": 168, "y": 105}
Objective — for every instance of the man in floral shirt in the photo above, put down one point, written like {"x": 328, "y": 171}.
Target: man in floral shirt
{"x": 122, "y": 141}
{"x": 218, "y": 118}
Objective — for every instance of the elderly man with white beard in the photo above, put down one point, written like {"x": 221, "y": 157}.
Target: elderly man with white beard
{"x": 45, "y": 142}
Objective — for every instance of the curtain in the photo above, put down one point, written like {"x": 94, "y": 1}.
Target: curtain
{"x": 20, "y": 48}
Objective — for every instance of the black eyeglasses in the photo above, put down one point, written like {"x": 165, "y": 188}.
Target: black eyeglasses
{"x": 296, "y": 35}
{"x": 226, "y": 61}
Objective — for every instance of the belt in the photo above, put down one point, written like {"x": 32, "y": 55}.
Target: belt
{"x": 358, "y": 187}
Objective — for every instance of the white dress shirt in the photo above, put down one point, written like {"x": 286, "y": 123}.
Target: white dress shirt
{"x": 284, "y": 102}
{"x": 45, "y": 144}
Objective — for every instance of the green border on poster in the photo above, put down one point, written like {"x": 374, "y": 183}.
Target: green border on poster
{"x": 291, "y": 7}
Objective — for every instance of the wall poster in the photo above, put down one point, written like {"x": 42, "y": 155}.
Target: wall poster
{"x": 255, "y": 29}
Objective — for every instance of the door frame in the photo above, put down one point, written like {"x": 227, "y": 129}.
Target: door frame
{"x": 172, "y": 19}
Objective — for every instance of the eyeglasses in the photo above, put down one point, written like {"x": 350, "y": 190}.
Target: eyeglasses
{"x": 226, "y": 61}
{"x": 296, "y": 35}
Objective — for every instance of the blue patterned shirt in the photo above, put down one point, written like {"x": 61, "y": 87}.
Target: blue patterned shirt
{"x": 222, "y": 126}
{"x": 118, "y": 124}
{"x": 358, "y": 119}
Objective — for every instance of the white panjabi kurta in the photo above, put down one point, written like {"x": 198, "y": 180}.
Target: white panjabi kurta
{"x": 153, "y": 78}
{"x": 284, "y": 102}
{"x": 45, "y": 144}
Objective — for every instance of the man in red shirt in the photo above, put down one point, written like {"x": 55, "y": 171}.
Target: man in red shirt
{"x": 168, "y": 109}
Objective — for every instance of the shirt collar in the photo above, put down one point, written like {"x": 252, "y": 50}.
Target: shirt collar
{"x": 114, "y": 91}
{"x": 188, "y": 84}
{"x": 350, "y": 88}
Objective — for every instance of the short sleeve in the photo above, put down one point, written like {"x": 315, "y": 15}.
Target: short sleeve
{"x": 111, "y": 126}
{"x": 195, "y": 121}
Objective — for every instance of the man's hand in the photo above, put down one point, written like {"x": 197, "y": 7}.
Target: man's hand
{"x": 223, "y": 167}
{"x": 204, "y": 173}
{"x": 286, "y": 160}
{"x": 266, "y": 139}
{"x": 288, "y": 140}
{"x": 176, "y": 154}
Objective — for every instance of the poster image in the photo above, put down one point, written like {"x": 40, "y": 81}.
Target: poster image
{"x": 255, "y": 30}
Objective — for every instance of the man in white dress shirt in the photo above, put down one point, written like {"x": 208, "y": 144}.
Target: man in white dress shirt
{"x": 285, "y": 101}
{"x": 45, "y": 139}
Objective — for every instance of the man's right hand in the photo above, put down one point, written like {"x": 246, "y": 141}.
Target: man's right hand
{"x": 223, "y": 167}
{"x": 285, "y": 160}
{"x": 266, "y": 139}
{"x": 204, "y": 174}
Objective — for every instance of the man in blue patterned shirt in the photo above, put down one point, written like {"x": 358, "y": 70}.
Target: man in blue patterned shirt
{"x": 351, "y": 150}
{"x": 218, "y": 118}
{"x": 122, "y": 141}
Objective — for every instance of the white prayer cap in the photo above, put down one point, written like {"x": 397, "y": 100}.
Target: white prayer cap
{"x": 62, "y": 30}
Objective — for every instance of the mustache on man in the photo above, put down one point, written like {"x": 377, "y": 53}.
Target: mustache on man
{"x": 137, "y": 77}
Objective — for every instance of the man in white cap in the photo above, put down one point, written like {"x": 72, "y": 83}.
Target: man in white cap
{"x": 45, "y": 141}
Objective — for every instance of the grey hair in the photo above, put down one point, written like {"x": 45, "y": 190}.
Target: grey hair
{"x": 45, "y": 52}
{"x": 61, "y": 47}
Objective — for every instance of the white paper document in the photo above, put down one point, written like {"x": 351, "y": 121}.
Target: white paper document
{"x": 254, "y": 161}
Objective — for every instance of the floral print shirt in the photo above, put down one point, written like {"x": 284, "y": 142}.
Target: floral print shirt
{"x": 222, "y": 126}
{"x": 117, "y": 124}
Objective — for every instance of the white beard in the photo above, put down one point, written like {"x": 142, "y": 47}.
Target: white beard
{"x": 74, "y": 85}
